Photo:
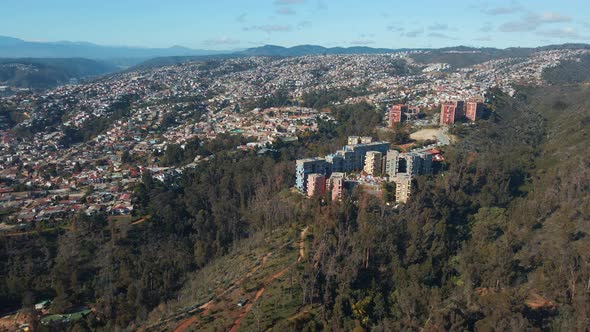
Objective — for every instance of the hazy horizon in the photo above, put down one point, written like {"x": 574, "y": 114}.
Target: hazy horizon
{"x": 238, "y": 49}
{"x": 231, "y": 25}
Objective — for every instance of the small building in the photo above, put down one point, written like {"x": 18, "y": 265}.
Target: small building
{"x": 353, "y": 140}
{"x": 44, "y": 305}
{"x": 366, "y": 140}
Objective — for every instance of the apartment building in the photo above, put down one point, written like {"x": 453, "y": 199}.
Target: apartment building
{"x": 451, "y": 112}
{"x": 350, "y": 159}
{"x": 373, "y": 163}
{"x": 336, "y": 184}
{"x": 304, "y": 167}
{"x": 403, "y": 187}
{"x": 474, "y": 110}
{"x": 396, "y": 114}
{"x": 412, "y": 163}
{"x": 316, "y": 185}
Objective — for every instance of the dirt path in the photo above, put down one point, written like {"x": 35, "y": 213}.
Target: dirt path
{"x": 298, "y": 314}
{"x": 191, "y": 320}
{"x": 188, "y": 322}
{"x": 37, "y": 231}
{"x": 139, "y": 221}
{"x": 269, "y": 280}
{"x": 259, "y": 293}
{"x": 29, "y": 232}
{"x": 302, "y": 244}
{"x": 248, "y": 307}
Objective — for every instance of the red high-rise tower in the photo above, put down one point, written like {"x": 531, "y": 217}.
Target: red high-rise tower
{"x": 451, "y": 112}
{"x": 396, "y": 113}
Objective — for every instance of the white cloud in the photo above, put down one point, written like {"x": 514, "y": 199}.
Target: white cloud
{"x": 321, "y": 5}
{"x": 438, "y": 27}
{"x": 303, "y": 24}
{"x": 288, "y": 2}
{"x": 439, "y": 35}
{"x": 531, "y": 22}
{"x": 502, "y": 10}
{"x": 563, "y": 33}
{"x": 269, "y": 28}
{"x": 413, "y": 33}
{"x": 483, "y": 38}
{"x": 285, "y": 11}
{"x": 241, "y": 18}
{"x": 395, "y": 28}
{"x": 221, "y": 41}
{"x": 487, "y": 27}
{"x": 361, "y": 42}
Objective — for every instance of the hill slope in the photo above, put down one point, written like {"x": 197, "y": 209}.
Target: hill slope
{"x": 505, "y": 253}
{"x": 569, "y": 72}
{"x": 48, "y": 73}
{"x": 460, "y": 56}
{"x": 500, "y": 242}
{"x": 300, "y": 50}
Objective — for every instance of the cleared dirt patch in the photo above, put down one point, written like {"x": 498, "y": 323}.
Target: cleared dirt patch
{"x": 425, "y": 134}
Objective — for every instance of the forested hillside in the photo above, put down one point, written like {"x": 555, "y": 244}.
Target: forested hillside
{"x": 124, "y": 271}
{"x": 569, "y": 72}
{"x": 499, "y": 240}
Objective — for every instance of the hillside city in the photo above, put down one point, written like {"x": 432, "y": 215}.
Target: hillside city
{"x": 294, "y": 165}
{"x": 49, "y": 172}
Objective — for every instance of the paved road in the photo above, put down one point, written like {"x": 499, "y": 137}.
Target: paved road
{"x": 443, "y": 137}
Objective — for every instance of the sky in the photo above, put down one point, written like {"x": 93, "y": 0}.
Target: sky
{"x": 239, "y": 24}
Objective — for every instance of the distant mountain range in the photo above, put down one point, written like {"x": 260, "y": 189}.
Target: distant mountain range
{"x": 300, "y": 50}
{"x": 17, "y": 48}
{"x": 267, "y": 50}
{"x": 457, "y": 57}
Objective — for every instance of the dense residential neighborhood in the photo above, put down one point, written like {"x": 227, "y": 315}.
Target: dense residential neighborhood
{"x": 83, "y": 147}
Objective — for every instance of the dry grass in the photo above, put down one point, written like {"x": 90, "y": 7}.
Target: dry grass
{"x": 425, "y": 134}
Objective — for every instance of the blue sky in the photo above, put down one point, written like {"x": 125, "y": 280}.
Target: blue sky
{"x": 236, "y": 24}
